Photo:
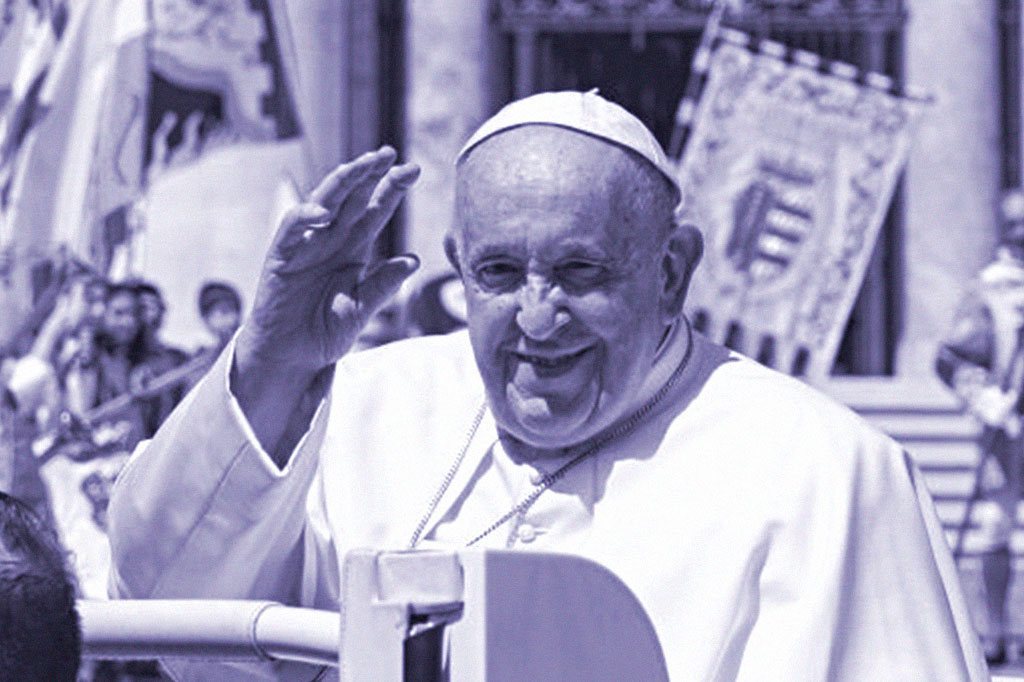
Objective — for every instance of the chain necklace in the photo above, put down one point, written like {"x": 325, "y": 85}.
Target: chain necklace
{"x": 521, "y": 507}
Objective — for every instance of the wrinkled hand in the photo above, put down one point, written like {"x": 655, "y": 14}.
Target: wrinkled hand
{"x": 318, "y": 287}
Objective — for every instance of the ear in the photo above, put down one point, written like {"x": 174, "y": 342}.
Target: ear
{"x": 682, "y": 254}
{"x": 451, "y": 250}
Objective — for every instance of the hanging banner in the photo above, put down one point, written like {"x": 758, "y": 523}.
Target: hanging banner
{"x": 221, "y": 74}
{"x": 105, "y": 97}
{"x": 223, "y": 129}
{"x": 107, "y": 104}
{"x": 13, "y": 14}
{"x": 788, "y": 171}
{"x": 183, "y": 80}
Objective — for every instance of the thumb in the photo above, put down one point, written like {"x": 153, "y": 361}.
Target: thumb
{"x": 382, "y": 283}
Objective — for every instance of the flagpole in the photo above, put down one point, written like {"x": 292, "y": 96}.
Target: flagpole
{"x": 698, "y": 71}
{"x": 139, "y": 208}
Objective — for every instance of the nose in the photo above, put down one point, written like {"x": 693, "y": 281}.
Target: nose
{"x": 541, "y": 311}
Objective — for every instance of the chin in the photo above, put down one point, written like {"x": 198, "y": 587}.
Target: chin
{"x": 552, "y": 429}
{"x": 550, "y": 434}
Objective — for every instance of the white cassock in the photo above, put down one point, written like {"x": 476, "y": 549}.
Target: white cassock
{"x": 770, "y": 533}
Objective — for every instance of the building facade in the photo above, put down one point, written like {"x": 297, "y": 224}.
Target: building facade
{"x": 421, "y": 75}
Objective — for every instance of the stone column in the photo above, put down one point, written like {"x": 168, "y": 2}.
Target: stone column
{"x": 952, "y": 182}
{"x": 321, "y": 57}
{"x": 447, "y": 96}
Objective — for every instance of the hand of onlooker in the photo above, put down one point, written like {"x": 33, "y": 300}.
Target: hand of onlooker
{"x": 77, "y": 303}
{"x": 319, "y": 286}
{"x": 68, "y": 311}
{"x": 993, "y": 406}
{"x": 139, "y": 378}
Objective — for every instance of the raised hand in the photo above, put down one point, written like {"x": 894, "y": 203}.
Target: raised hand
{"x": 319, "y": 286}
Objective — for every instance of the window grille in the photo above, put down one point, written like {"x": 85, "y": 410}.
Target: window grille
{"x": 638, "y": 53}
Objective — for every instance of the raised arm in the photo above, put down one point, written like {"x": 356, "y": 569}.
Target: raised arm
{"x": 317, "y": 290}
{"x": 216, "y": 505}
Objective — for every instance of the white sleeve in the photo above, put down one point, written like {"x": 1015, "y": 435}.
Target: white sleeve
{"x": 201, "y": 511}
{"x": 866, "y": 588}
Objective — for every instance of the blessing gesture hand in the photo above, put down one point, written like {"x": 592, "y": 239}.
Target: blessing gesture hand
{"x": 319, "y": 286}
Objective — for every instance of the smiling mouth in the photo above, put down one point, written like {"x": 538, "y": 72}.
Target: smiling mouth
{"x": 548, "y": 362}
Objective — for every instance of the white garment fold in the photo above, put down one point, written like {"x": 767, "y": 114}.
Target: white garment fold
{"x": 771, "y": 534}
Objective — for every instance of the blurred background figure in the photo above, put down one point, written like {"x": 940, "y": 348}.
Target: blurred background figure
{"x": 436, "y": 305}
{"x": 100, "y": 370}
{"x": 388, "y": 324}
{"x": 439, "y": 305}
{"x": 220, "y": 306}
{"x": 155, "y": 357}
{"x": 40, "y": 638}
{"x": 982, "y": 360}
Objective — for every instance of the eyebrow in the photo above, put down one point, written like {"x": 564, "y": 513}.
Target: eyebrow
{"x": 583, "y": 249}
{"x": 563, "y": 249}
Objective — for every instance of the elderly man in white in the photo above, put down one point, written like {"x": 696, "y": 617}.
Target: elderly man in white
{"x": 769, "y": 533}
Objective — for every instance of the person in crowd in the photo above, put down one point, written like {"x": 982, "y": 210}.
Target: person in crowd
{"x": 95, "y": 294}
{"x": 155, "y": 358}
{"x": 769, "y": 533}
{"x": 81, "y": 302}
{"x": 107, "y": 355}
{"x": 220, "y": 307}
{"x": 439, "y": 305}
{"x": 386, "y": 325}
{"x": 32, "y": 403}
{"x": 151, "y": 320}
{"x": 982, "y": 360}
{"x": 8, "y": 414}
{"x": 32, "y": 385}
{"x": 40, "y": 638}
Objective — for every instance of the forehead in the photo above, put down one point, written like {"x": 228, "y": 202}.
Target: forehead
{"x": 544, "y": 154}
{"x": 222, "y": 306}
{"x": 542, "y": 174}
{"x": 122, "y": 298}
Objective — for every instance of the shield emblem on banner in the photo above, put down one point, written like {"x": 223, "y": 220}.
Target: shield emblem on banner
{"x": 772, "y": 217}
{"x": 788, "y": 171}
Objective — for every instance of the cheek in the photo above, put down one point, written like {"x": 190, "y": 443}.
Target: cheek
{"x": 619, "y": 315}
{"x": 489, "y": 317}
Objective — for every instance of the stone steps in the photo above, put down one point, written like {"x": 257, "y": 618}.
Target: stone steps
{"x": 928, "y": 421}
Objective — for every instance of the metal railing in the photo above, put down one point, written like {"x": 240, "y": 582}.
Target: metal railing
{"x": 225, "y": 629}
{"x": 677, "y": 14}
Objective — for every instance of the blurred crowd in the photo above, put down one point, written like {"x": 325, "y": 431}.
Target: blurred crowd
{"x": 95, "y": 376}
{"x": 91, "y": 376}
{"x": 84, "y": 381}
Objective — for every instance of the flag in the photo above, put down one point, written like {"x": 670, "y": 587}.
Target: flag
{"x": 221, "y": 75}
{"x": 45, "y": 32}
{"x": 32, "y": 144}
{"x": 788, "y": 170}
{"x": 223, "y": 129}
{"x": 102, "y": 171}
{"x": 13, "y": 15}
{"x": 112, "y": 97}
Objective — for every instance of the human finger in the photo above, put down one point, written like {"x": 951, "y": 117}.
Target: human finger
{"x": 298, "y": 225}
{"x": 355, "y": 204}
{"x": 336, "y": 186}
{"x": 386, "y": 197}
{"x": 374, "y": 290}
